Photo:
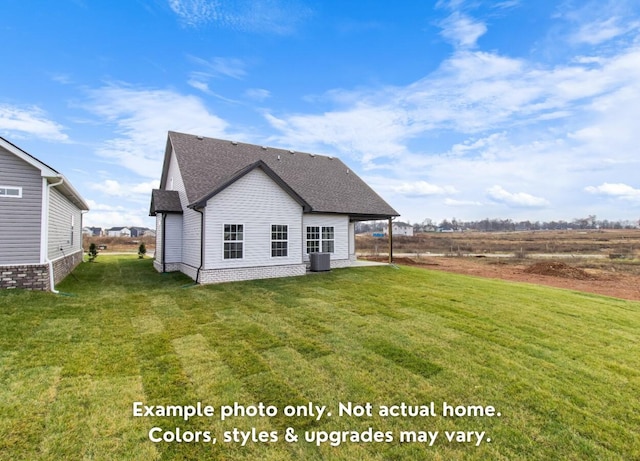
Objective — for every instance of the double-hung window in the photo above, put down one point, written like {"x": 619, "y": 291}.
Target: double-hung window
{"x": 279, "y": 240}
{"x": 320, "y": 239}
{"x": 327, "y": 239}
{"x": 313, "y": 239}
{"x": 233, "y": 241}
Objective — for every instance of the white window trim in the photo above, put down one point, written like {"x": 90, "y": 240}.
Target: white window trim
{"x": 19, "y": 189}
{"x": 320, "y": 240}
{"x": 332, "y": 240}
{"x": 233, "y": 241}
{"x": 307, "y": 239}
{"x": 271, "y": 240}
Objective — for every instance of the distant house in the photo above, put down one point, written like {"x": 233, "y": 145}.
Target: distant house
{"x": 40, "y": 224}
{"x": 233, "y": 211}
{"x": 400, "y": 228}
{"x": 139, "y": 231}
{"x": 92, "y": 231}
{"x": 119, "y": 232}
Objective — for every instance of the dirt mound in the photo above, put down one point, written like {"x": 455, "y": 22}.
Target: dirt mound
{"x": 559, "y": 269}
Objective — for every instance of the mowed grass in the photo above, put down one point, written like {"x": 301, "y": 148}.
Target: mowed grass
{"x": 561, "y": 368}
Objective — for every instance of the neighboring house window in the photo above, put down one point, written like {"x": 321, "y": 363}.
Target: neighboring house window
{"x": 317, "y": 241}
{"x": 233, "y": 238}
{"x": 279, "y": 237}
{"x": 313, "y": 239}
{"x": 71, "y": 239}
{"x": 327, "y": 239}
{"x": 8, "y": 191}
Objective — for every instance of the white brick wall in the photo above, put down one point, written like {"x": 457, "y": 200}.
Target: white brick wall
{"x": 251, "y": 273}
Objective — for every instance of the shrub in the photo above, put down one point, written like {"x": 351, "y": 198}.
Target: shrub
{"x": 93, "y": 252}
{"x": 142, "y": 250}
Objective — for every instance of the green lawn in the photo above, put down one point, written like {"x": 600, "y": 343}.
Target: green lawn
{"x": 561, "y": 368}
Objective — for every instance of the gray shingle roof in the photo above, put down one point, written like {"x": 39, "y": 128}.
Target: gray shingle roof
{"x": 324, "y": 183}
{"x": 165, "y": 201}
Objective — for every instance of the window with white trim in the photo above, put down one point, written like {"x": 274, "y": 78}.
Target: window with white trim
{"x": 320, "y": 239}
{"x": 279, "y": 240}
{"x": 11, "y": 191}
{"x": 327, "y": 239}
{"x": 313, "y": 239}
{"x": 233, "y": 241}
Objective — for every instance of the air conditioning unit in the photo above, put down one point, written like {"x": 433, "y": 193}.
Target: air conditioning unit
{"x": 320, "y": 262}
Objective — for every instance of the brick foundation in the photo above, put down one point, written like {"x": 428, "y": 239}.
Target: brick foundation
{"x": 235, "y": 274}
{"x": 36, "y": 276}
{"x": 28, "y": 277}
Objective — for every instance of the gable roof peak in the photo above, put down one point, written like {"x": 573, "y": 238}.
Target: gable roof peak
{"x": 323, "y": 184}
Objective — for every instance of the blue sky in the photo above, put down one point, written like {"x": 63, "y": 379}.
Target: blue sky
{"x": 467, "y": 109}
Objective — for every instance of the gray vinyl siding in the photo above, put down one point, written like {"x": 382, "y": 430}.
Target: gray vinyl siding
{"x": 61, "y": 211}
{"x": 20, "y": 218}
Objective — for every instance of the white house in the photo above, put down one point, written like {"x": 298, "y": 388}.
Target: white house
{"x": 233, "y": 211}
{"x": 119, "y": 232}
{"x": 40, "y": 222}
{"x": 400, "y": 228}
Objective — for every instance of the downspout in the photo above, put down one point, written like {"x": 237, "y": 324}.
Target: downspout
{"x": 201, "y": 244}
{"x": 390, "y": 240}
{"x": 82, "y": 213}
{"x": 164, "y": 241}
{"x": 47, "y": 260}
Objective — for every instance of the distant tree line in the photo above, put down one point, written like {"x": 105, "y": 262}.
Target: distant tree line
{"x": 503, "y": 225}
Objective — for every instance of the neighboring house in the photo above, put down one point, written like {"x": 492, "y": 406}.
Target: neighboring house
{"x": 139, "y": 231}
{"x": 40, "y": 224}
{"x": 92, "y": 231}
{"x": 233, "y": 211}
{"x": 119, "y": 232}
{"x": 400, "y": 228}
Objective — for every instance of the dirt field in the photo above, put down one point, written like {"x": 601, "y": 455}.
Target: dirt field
{"x": 604, "y": 281}
{"x": 603, "y": 262}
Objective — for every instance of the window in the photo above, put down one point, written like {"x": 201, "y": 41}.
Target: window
{"x": 279, "y": 244}
{"x": 233, "y": 238}
{"x": 327, "y": 239}
{"x": 10, "y": 191}
{"x": 317, "y": 241}
{"x": 72, "y": 223}
{"x": 313, "y": 239}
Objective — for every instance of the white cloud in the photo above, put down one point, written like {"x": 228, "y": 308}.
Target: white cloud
{"x": 462, "y": 203}
{"x": 462, "y": 31}
{"x": 142, "y": 118}
{"x": 600, "y": 31}
{"x": 114, "y": 188}
{"x": 616, "y": 190}
{"x": 518, "y": 199}
{"x": 365, "y": 131}
{"x": 199, "y": 85}
{"x": 31, "y": 121}
{"x": 106, "y": 216}
{"x": 270, "y": 16}
{"x": 220, "y": 67}
{"x": 257, "y": 94}
{"x": 422, "y": 189}
{"x": 108, "y": 219}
